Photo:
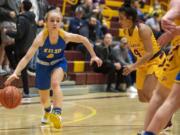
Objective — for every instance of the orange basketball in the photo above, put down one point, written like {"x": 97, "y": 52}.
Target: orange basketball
{"x": 10, "y": 97}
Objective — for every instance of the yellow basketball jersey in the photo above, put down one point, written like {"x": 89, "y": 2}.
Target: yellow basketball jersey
{"x": 136, "y": 45}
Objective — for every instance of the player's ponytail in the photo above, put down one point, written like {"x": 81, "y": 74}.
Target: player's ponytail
{"x": 127, "y": 3}
{"x": 129, "y": 11}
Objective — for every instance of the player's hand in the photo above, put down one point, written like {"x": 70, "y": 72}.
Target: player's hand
{"x": 117, "y": 66}
{"x": 12, "y": 14}
{"x": 97, "y": 60}
{"x": 164, "y": 39}
{"x": 167, "y": 25}
{"x": 10, "y": 79}
{"x": 128, "y": 69}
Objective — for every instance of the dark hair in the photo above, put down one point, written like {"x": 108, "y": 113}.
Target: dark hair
{"x": 129, "y": 11}
{"x": 51, "y": 7}
{"x": 27, "y": 5}
{"x": 155, "y": 14}
{"x": 79, "y": 9}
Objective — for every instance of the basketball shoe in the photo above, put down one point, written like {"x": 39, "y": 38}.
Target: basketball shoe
{"x": 56, "y": 119}
{"x": 140, "y": 132}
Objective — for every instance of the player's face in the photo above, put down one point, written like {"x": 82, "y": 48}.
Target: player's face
{"x": 124, "y": 22}
{"x": 53, "y": 21}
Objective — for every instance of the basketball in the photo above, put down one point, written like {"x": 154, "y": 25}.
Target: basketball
{"x": 10, "y": 97}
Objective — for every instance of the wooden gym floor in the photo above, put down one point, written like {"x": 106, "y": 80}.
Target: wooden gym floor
{"x": 92, "y": 114}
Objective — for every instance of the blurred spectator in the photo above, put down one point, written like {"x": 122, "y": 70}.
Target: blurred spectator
{"x": 111, "y": 65}
{"x": 88, "y": 9}
{"x": 91, "y": 30}
{"x": 8, "y": 11}
{"x": 154, "y": 24}
{"x": 35, "y": 8}
{"x": 142, "y": 3}
{"x": 24, "y": 36}
{"x": 121, "y": 53}
{"x": 76, "y": 23}
{"x": 97, "y": 11}
{"x": 94, "y": 29}
{"x": 40, "y": 9}
{"x": 76, "y": 26}
{"x": 136, "y": 5}
{"x": 156, "y": 6}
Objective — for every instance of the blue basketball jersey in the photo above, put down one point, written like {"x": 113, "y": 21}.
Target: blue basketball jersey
{"x": 50, "y": 57}
{"x": 49, "y": 52}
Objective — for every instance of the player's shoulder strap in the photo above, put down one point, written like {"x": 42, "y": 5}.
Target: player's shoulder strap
{"x": 45, "y": 33}
{"x": 61, "y": 33}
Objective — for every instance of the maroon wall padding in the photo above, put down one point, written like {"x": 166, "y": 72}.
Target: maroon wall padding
{"x": 116, "y": 19}
{"x": 114, "y": 24}
{"x": 88, "y": 67}
{"x": 70, "y": 66}
{"x": 79, "y": 78}
{"x": 73, "y": 55}
{"x": 114, "y": 31}
{"x": 101, "y": 78}
{"x": 95, "y": 78}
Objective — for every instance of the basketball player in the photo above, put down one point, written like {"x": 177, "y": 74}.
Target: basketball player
{"x": 158, "y": 117}
{"x": 51, "y": 64}
{"x": 143, "y": 45}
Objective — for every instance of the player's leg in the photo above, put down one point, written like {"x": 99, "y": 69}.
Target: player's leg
{"x": 43, "y": 83}
{"x": 140, "y": 77}
{"x": 163, "y": 115}
{"x": 147, "y": 88}
{"x": 159, "y": 95}
{"x": 46, "y": 103}
{"x": 56, "y": 78}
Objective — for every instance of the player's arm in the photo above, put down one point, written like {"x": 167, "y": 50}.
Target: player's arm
{"x": 167, "y": 21}
{"x": 168, "y": 24}
{"x": 174, "y": 11}
{"x": 145, "y": 35}
{"x": 69, "y": 37}
{"x": 166, "y": 37}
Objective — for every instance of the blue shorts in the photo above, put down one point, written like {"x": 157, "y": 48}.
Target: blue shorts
{"x": 178, "y": 77}
{"x": 43, "y": 74}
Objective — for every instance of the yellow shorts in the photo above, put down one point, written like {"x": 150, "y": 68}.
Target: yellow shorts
{"x": 152, "y": 67}
{"x": 171, "y": 67}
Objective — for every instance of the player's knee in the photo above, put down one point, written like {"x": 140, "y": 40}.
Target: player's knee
{"x": 142, "y": 98}
{"x": 159, "y": 96}
{"x": 55, "y": 85}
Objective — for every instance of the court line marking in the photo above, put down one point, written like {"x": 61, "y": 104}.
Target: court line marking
{"x": 78, "y": 99}
{"x": 91, "y": 114}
